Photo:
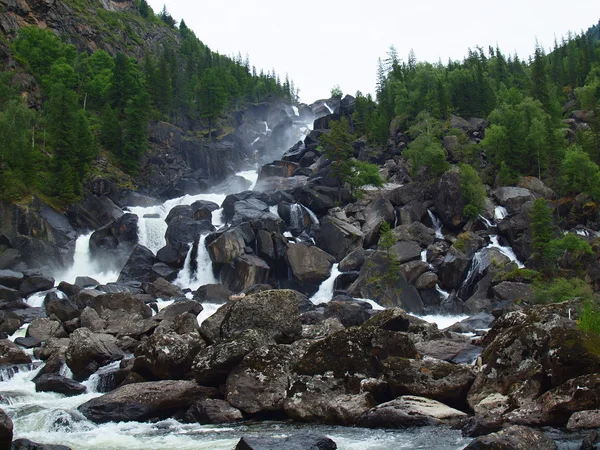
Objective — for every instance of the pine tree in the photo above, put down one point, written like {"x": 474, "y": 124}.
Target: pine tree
{"x": 212, "y": 96}
{"x": 337, "y": 148}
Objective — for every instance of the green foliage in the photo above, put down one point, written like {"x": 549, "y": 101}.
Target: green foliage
{"x": 559, "y": 290}
{"x": 426, "y": 149}
{"x": 580, "y": 174}
{"x": 364, "y": 174}
{"x": 472, "y": 191}
{"x": 589, "y": 317}
{"x": 569, "y": 245}
{"x": 212, "y": 96}
{"x": 542, "y": 230}
{"x": 337, "y": 148}
{"x": 336, "y": 92}
{"x": 41, "y": 49}
{"x": 385, "y": 243}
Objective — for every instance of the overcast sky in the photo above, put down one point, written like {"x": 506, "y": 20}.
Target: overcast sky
{"x": 323, "y": 43}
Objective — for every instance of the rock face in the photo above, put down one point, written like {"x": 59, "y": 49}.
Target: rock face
{"x": 143, "y": 401}
{"x": 448, "y": 201}
{"x": 309, "y": 264}
{"x": 114, "y": 242}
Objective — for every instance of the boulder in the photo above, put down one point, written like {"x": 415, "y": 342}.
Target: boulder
{"x": 162, "y": 270}
{"x": 447, "y": 198}
{"x": 28, "y": 342}
{"x": 323, "y": 399}
{"x": 213, "y": 411}
{"x": 44, "y": 329}
{"x": 537, "y": 187}
{"x": 379, "y": 211}
{"x": 260, "y": 382}
{"x": 9, "y": 322}
{"x": 35, "y": 283}
{"x": 353, "y": 261}
{"x": 513, "y": 292}
{"x": 349, "y": 313}
{"x": 458, "y": 351}
{"x": 213, "y": 364}
{"x": 227, "y": 247}
{"x": 6, "y": 430}
{"x": 57, "y": 383}
{"x": 339, "y": 238}
{"x": 390, "y": 293}
{"x": 63, "y": 309}
{"x": 11, "y": 354}
{"x": 139, "y": 265}
{"x": 88, "y": 351}
{"x": 11, "y": 278}
{"x": 90, "y": 319}
{"x": 9, "y": 294}
{"x": 168, "y": 356}
{"x": 121, "y": 302}
{"x": 26, "y": 444}
{"x": 140, "y": 402}
{"x": 115, "y": 241}
{"x": 513, "y": 438}
{"x": 243, "y": 272}
{"x": 512, "y": 198}
{"x": 409, "y": 411}
{"x": 212, "y": 293}
{"x": 161, "y": 288}
{"x": 582, "y": 420}
{"x": 453, "y": 269}
{"x": 407, "y": 251}
{"x": 298, "y": 441}
{"x": 415, "y": 231}
{"x": 309, "y": 264}
{"x": 406, "y": 193}
{"x": 273, "y": 312}
{"x": 438, "y": 380}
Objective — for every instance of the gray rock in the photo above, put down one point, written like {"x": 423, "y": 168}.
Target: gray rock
{"x": 212, "y": 411}
{"x": 309, "y": 264}
{"x": 35, "y": 283}
{"x": 339, "y": 238}
{"x": 243, "y": 272}
{"x": 584, "y": 420}
{"x": 10, "y": 278}
{"x": 298, "y": 441}
{"x": 11, "y": 354}
{"x": 57, "y": 383}
{"x": 513, "y": 438}
{"x": 353, "y": 261}
{"x": 88, "y": 351}
{"x": 212, "y": 293}
{"x": 512, "y": 198}
{"x": 44, "y": 329}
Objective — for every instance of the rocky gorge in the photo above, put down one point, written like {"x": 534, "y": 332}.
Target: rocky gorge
{"x": 213, "y": 298}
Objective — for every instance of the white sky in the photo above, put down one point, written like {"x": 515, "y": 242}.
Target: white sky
{"x": 324, "y": 43}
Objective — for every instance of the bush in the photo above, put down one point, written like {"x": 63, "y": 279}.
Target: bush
{"x": 589, "y": 317}
{"x": 560, "y": 290}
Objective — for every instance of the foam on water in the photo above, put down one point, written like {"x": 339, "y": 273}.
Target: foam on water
{"x": 441, "y": 321}
{"x": 325, "y": 292}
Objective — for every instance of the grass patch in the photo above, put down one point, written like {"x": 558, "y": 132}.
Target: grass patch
{"x": 560, "y": 290}
{"x": 589, "y": 318}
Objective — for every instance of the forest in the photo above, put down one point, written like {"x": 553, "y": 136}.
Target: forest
{"x": 81, "y": 105}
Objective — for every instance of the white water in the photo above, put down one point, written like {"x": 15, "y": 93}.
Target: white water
{"x": 500, "y": 212}
{"x": 329, "y": 108}
{"x": 84, "y": 265}
{"x": 441, "y": 321}
{"x": 486, "y": 222}
{"x": 325, "y": 292}
{"x": 505, "y": 250}
{"x": 296, "y": 111}
{"x": 267, "y": 129}
{"x": 437, "y": 225}
{"x": 203, "y": 274}
{"x": 443, "y": 294}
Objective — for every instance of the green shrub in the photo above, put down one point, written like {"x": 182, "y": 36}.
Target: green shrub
{"x": 560, "y": 289}
{"x": 589, "y": 318}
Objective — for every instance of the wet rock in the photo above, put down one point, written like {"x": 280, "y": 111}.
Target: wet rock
{"x": 11, "y": 278}
{"x": 512, "y": 198}
{"x": 11, "y": 354}
{"x": 26, "y": 444}
{"x": 212, "y": 293}
{"x": 140, "y": 402}
{"x": 161, "y": 288}
{"x": 409, "y": 411}
{"x": 6, "y": 430}
{"x": 162, "y": 270}
{"x": 513, "y": 438}
{"x": 227, "y": 247}
{"x": 213, "y": 411}
{"x": 584, "y": 420}
{"x": 309, "y": 264}
{"x": 35, "y": 283}
{"x": 298, "y": 441}
{"x": 88, "y": 351}
{"x": 60, "y": 384}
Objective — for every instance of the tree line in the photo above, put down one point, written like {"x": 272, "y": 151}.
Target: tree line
{"x": 81, "y": 104}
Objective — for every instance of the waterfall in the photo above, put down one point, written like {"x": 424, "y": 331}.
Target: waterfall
{"x": 296, "y": 216}
{"x": 478, "y": 265}
{"x": 505, "y": 250}
{"x": 151, "y": 231}
{"x": 443, "y": 294}
{"x": 437, "y": 224}
{"x": 197, "y": 268}
{"x": 325, "y": 292}
{"x": 500, "y": 212}
{"x": 296, "y": 111}
{"x": 329, "y": 108}
{"x": 84, "y": 265}
{"x": 267, "y": 129}
{"x": 396, "y": 217}
{"x": 313, "y": 217}
{"x": 424, "y": 255}
{"x": 486, "y": 222}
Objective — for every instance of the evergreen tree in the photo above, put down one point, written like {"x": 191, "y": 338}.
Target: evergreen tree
{"x": 337, "y": 148}
{"x": 472, "y": 191}
{"x": 212, "y": 96}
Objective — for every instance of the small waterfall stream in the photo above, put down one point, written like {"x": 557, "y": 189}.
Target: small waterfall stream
{"x": 325, "y": 292}
{"x": 437, "y": 224}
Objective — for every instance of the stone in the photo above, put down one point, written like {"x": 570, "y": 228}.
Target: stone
{"x": 309, "y": 264}
{"x": 141, "y": 402}
{"x": 512, "y": 198}
{"x": 513, "y": 438}
{"x": 44, "y": 329}
{"x": 35, "y": 283}
{"x": 11, "y": 278}
{"x": 213, "y": 411}
{"x": 409, "y": 411}
{"x": 88, "y": 351}
{"x": 339, "y": 238}
{"x": 349, "y": 313}
{"x": 28, "y": 342}
{"x": 353, "y": 261}
{"x": 11, "y": 354}
{"x": 139, "y": 265}
{"x": 9, "y": 294}
{"x": 448, "y": 202}
{"x": 212, "y": 293}
{"x": 63, "y": 309}
{"x": 298, "y": 441}
{"x": 513, "y": 292}
{"x": 57, "y": 383}
{"x": 243, "y": 272}
{"x": 161, "y": 288}
{"x": 584, "y": 420}
{"x": 6, "y": 430}
{"x": 26, "y": 444}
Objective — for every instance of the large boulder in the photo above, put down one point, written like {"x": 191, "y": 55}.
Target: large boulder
{"x": 409, "y": 411}
{"x": 448, "y": 201}
{"x": 44, "y": 329}
{"x": 309, "y": 264}
{"x": 168, "y": 356}
{"x": 115, "y": 241}
{"x": 396, "y": 291}
{"x": 261, "y": 381}
{"x": 139, "y": 266}
{"x": 35, "y": 283}
{"x": 379, "y": 211}
{"x": 11, "y": 354}
{"x": 213, "y": 410}
{"x": 6, "y": 430}
{"x": 512, "y": 198}
{"x": 513, "y": 438}
{"x": 57, "y": 383}
{"x": 298, "y": 441}
{"x": 121, "y": 302}
{"x": 88, "y": 351}
{"x": 274, "y": 312}
{"x": 243, "y": 272}
{"x": 227, "y": 247}
{"x": 339, "y": 238}
{"x": 140, "y": 402}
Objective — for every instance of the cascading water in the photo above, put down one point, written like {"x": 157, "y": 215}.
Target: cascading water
{"x": 200, "y": 272}
{"x": 296, "y": 216}
{"x": 486, "y": 222}
{"x": 500, "y": 212}
{"x": 505, "y": 250}
{"x": 328, "y": 108}
{"x": 437, "y": 224}
{"x": 325, "y": 292}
